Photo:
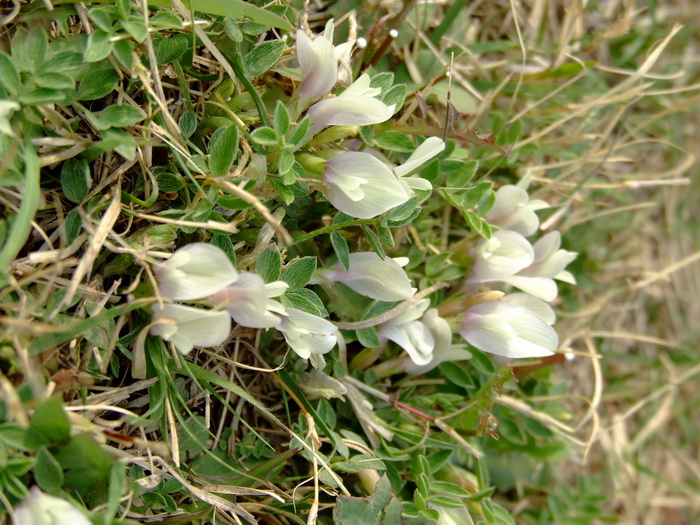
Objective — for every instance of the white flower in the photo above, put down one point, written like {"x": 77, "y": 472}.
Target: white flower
{"x": 318, "y": 64}
{"x": 318, "y": 61}
{"x": 369, "y": 275}
{"x": 361, "y": 185}
{"x": 424, "y": 153}
{"x": 549, "y": 262}
{"x": 249, "y": 301}
{"x": 411, "y": 334}
{"x": 503, "y": 255}
{"x": 41, "y": 509}
{"x": 194, "y": 271}
{"x": 356, "y": 106}
{"x": 513, "y": 210}
{"x": 307, "y": 334}
{"x": 533, "y": 304}
{"x": 7, "y": 107}
{"x": 426, "y": 337}
{"x": 188, "y": 327}
{"x": 509, "y": 330}
{"x": 443, "y": 349}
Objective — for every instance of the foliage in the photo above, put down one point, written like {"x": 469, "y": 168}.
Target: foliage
{"x": 130, "y": 130}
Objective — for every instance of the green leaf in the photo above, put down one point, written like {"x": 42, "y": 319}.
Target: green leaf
{"x": 368, "y": 337}
{"x": 29, "y": 48}
{"x": 456, "y": 375}
{"x": 285, "y": 192}
{"x": 224, "y": 242}
{"x": 475, "y": 193}
{"x": 86, "y": 468}
{"x": 102, "y": 18}
{"x": 383, "y": 81}
{"x": 374, "y": 241}
{"x": 385, "y": 235}
{"x": 477, "y": 224}
{"x": 97, "y": 84}
{"x": 167, "y": 19}
{"x": 41, "y": 96}
{"x": 401, "y": 213}
{"x": 285, "y": 164}
{"x": 237, "y": 9}
{"x": 281, "y": 118}
{"x": 50, "y": 420}
{"x": 341, "y": 249}
{"x": 136, "y": 27}
{"x": 269, "y": 265}
{"x": 169, "y": 182}
{"x": 98, "y": 46}
{"x": 299, "y": 273}
{"x": 423, "y": 484}
{"x": 381, "y": 508}
{"x": 54, "y": 80}
{"x": 393, "y": 141}
{"x": 117, "y": 477}
{"x": 232, "y": 30}
{"x": 47, "y": 471}
{"x": 463, "y": 175}
{"x": 114, "y": 139}
{"x": 305, "y": 300}
{"x": 188, "y": 124}
{"x": 223, "y": 150}
{"x": 265, "y": 136}
{"x": 76, "y": 179}
{"x": 124, "y": 53}
{"x": 170, "y": 49}
{"x": 298, "y": 134}
{"x": 120, "y": 115}
{"x": 449, "y": 489}
{"x": 430, "y": 514}
{"x": 9, "y": 77}
{"x": 262, "y": 57}
{"x": 73, "y": 225}
{"x": 395, "y": 96}
{"x": 511, "y": 431}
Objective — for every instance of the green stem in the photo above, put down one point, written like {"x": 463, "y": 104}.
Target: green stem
{"x": 237, "y": 66}
{"x": 22, "y": 223}
{"x": 331, "y": 228}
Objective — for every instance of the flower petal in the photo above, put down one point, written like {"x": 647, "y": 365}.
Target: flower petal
{"x": 194, "y": 271}
{"x": 429, "y": 149}
{"x": 349, "y": 111}
{"x": 195, "y": 326}
{"x": 362, "y": 186}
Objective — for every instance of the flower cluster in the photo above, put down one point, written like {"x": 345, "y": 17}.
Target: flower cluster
{"x": 361, "y": 183}
{"x": 358, "y": 183}
{"x": 517, "y": 325}
{"x": 203, "y": 271}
